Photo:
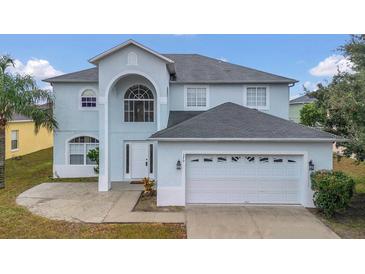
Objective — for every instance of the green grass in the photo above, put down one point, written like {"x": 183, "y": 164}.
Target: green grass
{"x": 351, "y": 223}
{"x": 353, "y": 169}
{"x": 18, "y": 222}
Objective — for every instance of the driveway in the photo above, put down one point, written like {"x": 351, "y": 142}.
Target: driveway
{"x": 257, "y": 222}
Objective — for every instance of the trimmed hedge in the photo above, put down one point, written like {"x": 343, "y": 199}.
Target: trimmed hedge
{"x": 333, "y": 191}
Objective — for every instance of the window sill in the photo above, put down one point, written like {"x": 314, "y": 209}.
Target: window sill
{"x": 14, "y": 150}
{"x": 196, "y": 108}
{"x": 89, "y": 109}
{"x": 82, "y": 165}
{"x": 259, "y": 108}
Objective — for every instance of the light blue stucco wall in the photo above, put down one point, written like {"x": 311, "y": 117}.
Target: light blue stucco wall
{"x": 221, "y": 93}
{"x": 114, "y": 76}
{"x": 72, "y": 121}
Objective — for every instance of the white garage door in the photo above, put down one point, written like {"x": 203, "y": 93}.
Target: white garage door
{"x": 243, "y": 178}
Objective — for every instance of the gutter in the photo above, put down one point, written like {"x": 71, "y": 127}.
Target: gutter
{"x": 248, "y": 139}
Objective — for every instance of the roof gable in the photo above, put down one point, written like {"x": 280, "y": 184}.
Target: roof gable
{"x": 305, "y": 99}
{"x": 95, "y": 60}
{"x": 232, "y": 121}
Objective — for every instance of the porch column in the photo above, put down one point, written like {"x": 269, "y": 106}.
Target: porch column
{"x": 104, "y": 183}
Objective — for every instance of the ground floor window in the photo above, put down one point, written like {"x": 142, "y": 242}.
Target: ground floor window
{"x": 14, "y": 139}
{"x": 79, "y": 148}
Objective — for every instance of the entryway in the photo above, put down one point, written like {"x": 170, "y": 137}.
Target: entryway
{"x": 139, "y": 160}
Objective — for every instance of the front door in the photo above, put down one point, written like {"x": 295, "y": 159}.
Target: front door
{"x": 139, "y": 160}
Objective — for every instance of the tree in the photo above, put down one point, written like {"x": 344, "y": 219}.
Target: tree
{"x": 310, "y": 115}
{"x": 20, "y": 94}
{"x": 341, "y": 103}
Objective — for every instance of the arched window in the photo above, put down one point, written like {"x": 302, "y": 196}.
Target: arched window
{"x": 138, "y": 104}
{"x": 79, "y": 148}
{"x": 88, "y": 99}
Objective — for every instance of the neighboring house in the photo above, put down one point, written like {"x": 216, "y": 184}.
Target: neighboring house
{"x": 21, "y": 138}
{"x": 296, "y": 105}
{"x": 208, "y": 131}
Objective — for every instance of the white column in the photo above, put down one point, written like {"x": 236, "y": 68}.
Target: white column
{"x": 104, "y": 183}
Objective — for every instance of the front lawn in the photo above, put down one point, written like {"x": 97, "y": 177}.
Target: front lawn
{"x": 350, "y": 224}
{"x": 18, "y": 222}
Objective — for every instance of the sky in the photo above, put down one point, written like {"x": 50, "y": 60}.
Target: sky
{"x": 310, "y": 59}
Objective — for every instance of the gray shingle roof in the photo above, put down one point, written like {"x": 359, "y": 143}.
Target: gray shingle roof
{"x": 83, "y": 76}
{"x": 176, "y": 117}
{"x": 305, "y": 99}
{"x": 230, "y": 120}
{"x": 20, "y": 117}
{"x": 193, "y": 68}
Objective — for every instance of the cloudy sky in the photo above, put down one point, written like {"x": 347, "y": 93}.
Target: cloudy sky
{"x": 308, "y": 58}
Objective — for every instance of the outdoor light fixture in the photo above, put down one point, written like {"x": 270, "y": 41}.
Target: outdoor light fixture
{"x": 311, "y": 165}
{"x": 178, "y": 164}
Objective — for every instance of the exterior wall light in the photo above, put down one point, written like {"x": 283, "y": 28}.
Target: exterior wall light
{"x": 178, "y": 165}
{"x": 311, "y": 165}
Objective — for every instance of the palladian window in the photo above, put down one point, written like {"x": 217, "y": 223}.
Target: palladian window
{"x": 138, "y": 104}
{"x": 79, "y": 148}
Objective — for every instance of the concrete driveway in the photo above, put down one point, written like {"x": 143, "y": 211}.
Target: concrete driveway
{"x": 257, "y": 222}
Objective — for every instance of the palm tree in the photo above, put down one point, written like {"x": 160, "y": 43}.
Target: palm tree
{"x": 20, "y": 94}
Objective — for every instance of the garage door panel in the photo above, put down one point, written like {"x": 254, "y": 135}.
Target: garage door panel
{"x": 243, "y": 179}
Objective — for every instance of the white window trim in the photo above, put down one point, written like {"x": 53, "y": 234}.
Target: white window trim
{"x": 186, "y": 93}
{"x": 17, "y": 139}
{"x": 267, "y": 107}
{"x": 67, "y": 149}
{"x": 88, "y": 108}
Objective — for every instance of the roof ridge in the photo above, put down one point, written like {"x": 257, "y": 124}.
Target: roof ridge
{"x": 261, "y": 117}
{"x": 261, "y": 71}
{"x": 297, "y": 124}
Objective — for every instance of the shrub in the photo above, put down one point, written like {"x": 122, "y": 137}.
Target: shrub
{"x": 333, "y": 191}
{"x": 148, "y": 186}
{"x": 93, "y": 155}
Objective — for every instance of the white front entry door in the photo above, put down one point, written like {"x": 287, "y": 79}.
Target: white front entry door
{"x": 243, "y": 179}
{"x": 139, "y": 161}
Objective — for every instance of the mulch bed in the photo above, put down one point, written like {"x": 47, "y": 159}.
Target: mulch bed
{"x": 136, "y": 183}
{"x": 148, "y": 203}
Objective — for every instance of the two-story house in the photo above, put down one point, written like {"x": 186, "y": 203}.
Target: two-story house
{"x": 208, "y": 131}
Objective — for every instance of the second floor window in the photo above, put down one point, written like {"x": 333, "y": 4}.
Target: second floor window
{"x": 196, "y": 97}
{"x": 256, "y": 97}
{"x": 88, "y": 99}
{"x": 138, "y": 104}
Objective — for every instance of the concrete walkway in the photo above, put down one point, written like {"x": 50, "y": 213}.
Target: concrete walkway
{"x": 256, "y": 222}
{"x": 81, "y": 202}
